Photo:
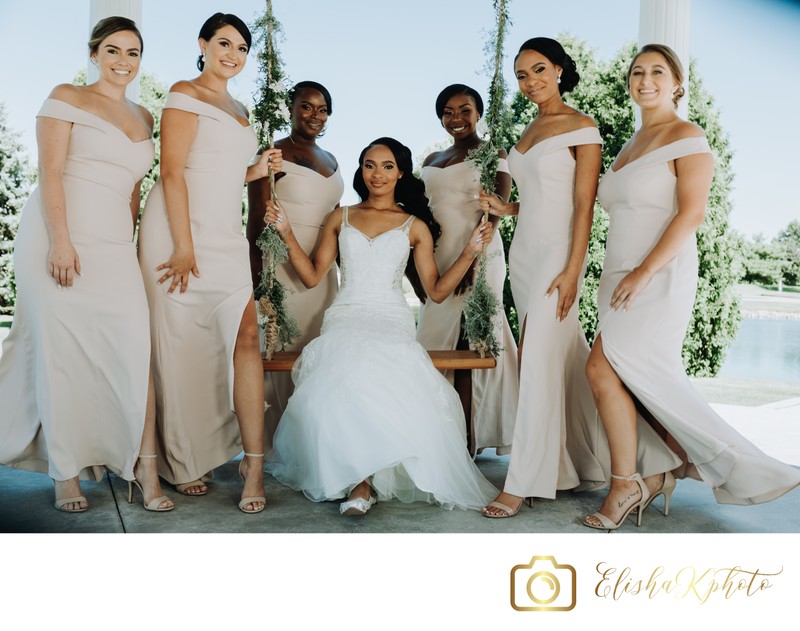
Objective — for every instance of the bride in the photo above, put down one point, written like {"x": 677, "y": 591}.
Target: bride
{"x": 370, "y": 417}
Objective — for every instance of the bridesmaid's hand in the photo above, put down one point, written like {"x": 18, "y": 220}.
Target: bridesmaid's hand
{"x": 277, "y": 217}
{"x": 567, "y": 286}
{"x": 628, "y": 288}
{"x": 270, "y": 160}
{"x": 492, "y": 204}
{"x": 64, "y": 263}
{"x": 179, "y": 266}
{"x": 480, "y": 237}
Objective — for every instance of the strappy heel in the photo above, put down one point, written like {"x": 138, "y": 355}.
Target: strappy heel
{"x": 61, "y": 505}
{"x": 185, "y": 486}
{"x": 251, "y": 500}
{"x": 667, "y": 487}
{"x": 608, "y": 524}
{"x": 153, "y": 505}
{"x": 507, "y": 510}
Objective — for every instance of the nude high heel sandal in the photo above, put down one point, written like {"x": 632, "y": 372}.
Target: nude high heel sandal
{"x": 251, "y": 500}
{"x": 153, "y": 505}
{"x": 61, "y": 505}
{"x": 606, "y": 523}
{"x": 507, "y": 510}
{"x": 667, "y": 487}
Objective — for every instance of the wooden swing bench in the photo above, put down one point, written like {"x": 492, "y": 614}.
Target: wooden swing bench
{"x": 461, "y": 362}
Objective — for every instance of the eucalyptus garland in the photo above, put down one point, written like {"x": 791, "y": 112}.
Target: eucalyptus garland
{"x": 271, "y": 112}
{"x": 481, "y": 305}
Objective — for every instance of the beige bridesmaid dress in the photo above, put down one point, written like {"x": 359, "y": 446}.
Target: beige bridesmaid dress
{"x": 643, "y": 343}
{"x": 194, "y": 333}
{"x": 559, "y": 442}
{"x": 73, "y": 372}
{"x": 307, "y": 197}
{"x": 452, "y": 192}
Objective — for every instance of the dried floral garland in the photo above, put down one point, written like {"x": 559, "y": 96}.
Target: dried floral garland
{"x": 481, "y": 305}
{"x": 272, "y": 114}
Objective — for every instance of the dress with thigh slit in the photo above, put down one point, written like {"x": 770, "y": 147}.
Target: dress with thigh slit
{"x": 643, "y": 343}
{"x": 559, "y": 442}
{"x": 194, "y": 333}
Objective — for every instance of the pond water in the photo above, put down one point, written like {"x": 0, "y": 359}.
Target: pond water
{"x": 765, "y": 349}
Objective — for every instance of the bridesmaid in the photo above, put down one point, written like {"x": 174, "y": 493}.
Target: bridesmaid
{"x": 309, "y": 188}
{"x": 555, "y": 164}
{"x": 451, "y": 185}
{"x": 656, "y": 194}
{"x": 74, "y": 369}
{"x": 206, "y": 359}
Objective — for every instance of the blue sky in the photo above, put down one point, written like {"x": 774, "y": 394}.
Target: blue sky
{"x": 385, "y": 62}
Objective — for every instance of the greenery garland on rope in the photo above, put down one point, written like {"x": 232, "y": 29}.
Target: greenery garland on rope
{"x": 481, "y": 305}
{"x": 272, "y": 114}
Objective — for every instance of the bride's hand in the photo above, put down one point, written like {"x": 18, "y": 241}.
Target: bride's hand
{"x": 277, "y": 217}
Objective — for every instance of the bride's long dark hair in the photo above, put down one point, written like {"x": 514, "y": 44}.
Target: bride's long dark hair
{"x": 409, "y": 194}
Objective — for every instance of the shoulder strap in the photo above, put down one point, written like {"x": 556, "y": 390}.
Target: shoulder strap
{"x": 683, "y": 147}
{"x": 181, "y": 101}
{"x": 407, "y": 224}
{"x": 345, "y": 219}
{"x": 61, "y": 110}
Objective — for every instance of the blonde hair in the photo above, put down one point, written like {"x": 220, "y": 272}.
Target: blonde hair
{"x": 673, "y": 62}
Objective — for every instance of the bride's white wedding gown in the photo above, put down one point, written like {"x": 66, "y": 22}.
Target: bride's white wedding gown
{"x": 368, "y": 403}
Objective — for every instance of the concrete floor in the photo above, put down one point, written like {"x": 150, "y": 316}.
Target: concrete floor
{"x": 26, "y": 501}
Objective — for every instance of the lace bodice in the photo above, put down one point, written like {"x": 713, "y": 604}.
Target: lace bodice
{"x": 372, "y": 269}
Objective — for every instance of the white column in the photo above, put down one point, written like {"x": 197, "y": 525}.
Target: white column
{"x": 99, "y": 9}
{"x": 667, "y": 22}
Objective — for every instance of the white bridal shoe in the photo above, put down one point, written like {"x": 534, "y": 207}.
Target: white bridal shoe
{"x": 358, "y": 506}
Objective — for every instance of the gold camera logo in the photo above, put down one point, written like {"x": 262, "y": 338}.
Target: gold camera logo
{"x": 543, "y": 585}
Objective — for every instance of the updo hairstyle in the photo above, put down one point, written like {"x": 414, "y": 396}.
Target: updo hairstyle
{"x": 673, "y": 62}
{"x": 109, "y": 26}
{"x": 450, "y": 91}
{"x": 555, "y": 52}
{"x": 216, "y": 22}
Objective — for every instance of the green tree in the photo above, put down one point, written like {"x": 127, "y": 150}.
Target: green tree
{"x": 764, "y": 263}
{"x": 716, "y": 315}
{"x": 788, "y": 240}
{"x": 152, "y": 96}
{"x": 602, "y": 94}
{"x": 16, "y": 178}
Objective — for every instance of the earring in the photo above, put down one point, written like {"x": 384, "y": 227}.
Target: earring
{"x": 559, "y": 79}
{"x": 203, "y": 56}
